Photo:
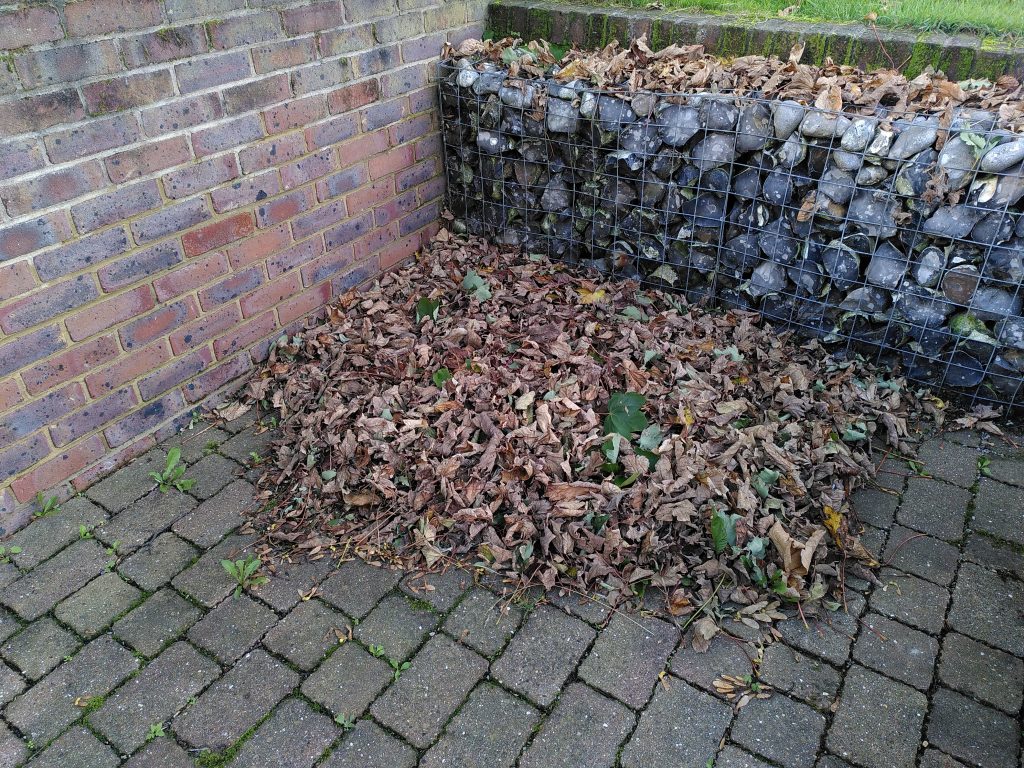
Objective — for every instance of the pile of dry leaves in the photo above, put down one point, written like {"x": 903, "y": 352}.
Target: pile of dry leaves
{"x": 492, "y": 408}
{"x": 679, "y": 69}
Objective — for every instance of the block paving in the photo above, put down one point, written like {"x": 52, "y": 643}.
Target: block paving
{"x": 140, "y": 654}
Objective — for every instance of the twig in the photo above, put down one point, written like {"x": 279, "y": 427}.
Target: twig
{"x": 702, "y": 606}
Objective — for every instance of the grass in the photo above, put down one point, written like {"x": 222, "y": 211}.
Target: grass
{"x": 997, "y": 18}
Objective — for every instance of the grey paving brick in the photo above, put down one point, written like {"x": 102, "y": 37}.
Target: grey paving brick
{"x": 289, "y": 582}
{"x": 585, "y": 729}
{"x": 248, "y": 441}
{"x": 348, "y": 681}
{"x": 972, "y": 732}
{"x": 801, "y": 676}
{"x": 725, "y": 656}
{"x": 9, "y": 573}
{"x": 911, "y": 600}
{"x": 994, "y": 555}
{"x": 39, "y": 647}
{"x": 11, "y": 684}
{"x": 681, "y": 726}
{"x": 997, "y": 510}
{"x": 949, "y": 461}
{"x": 216, "y": 517}
{"x": 397, "y": 626}
{"x": 733, "y": 757}
{"x": 196, "y": 444}
{"x": 831, "y": 761}
{"x": 236, "y": 702}
{"x": 975, "y": 613}
{"x": 370, "y": 746}
{"x": 357, "y": 587}
{"x": 417, "y": 706}
{"x": 932, "y": 758}
{"x": 442, "y": 590}
{"x": 592, "y": 610}
{"x": 12, "y": 749}
{"x": 77, "y": 749}
{"x": 781, "y": 730}
{"x": 483, "y": 621}
{"x": 488, "y": 732}
{"x": 206, "y": 581}
{"x": 992, "y": 676}
{"x": 628, "y": 656}
{"x": 116, "y": 491}
{"x": 160, "y": 753}
{"x": 543, "y": 654}
{"x": 828, "y": 636}
{"x": 875, "y": 506}
{"x": 1008, "y": 470}
{"x": 294, "y": 737}
{"x": 153, "y": 696}
{"x": 878, "y": 723}
{"x": 232, "y": 628}
{"x": 95, "y": 606}
{"x": 46, "y": 536}
{"x": 934, "y": 507}
{"x": 49, "y": 707}
{"x": 211, "y": 474}
{"x": 9, "y": 624}
{"x": 156, "y": 623}
{"x": 921, "y": 555}
{"x": 144, "y": 519}
{"x": 40, "y": 589}
{"x": 306, "y": 634}
{"x": 897, "y": 651}
{"x": 873, "y": 540}
{"x": 159, "y": 561}
{"x": 237, "y": 425}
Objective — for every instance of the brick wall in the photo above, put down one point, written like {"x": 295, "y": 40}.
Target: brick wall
{"x": 180, "y": 180}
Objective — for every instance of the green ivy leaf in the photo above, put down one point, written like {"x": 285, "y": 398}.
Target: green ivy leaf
{"x": 723, "y": 530}
{"x": 624, "y": 413}
{"x": 765, "y": 479}
{"x": 427, "y": 308}
{"x": 441, "y": 375}
{"x": 476, "y": 286}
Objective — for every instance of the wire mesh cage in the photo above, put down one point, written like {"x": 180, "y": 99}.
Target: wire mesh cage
{"x": 889, "y": 236}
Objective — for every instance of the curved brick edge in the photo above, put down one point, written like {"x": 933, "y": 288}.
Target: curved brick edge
{"x": 959, "y": 56}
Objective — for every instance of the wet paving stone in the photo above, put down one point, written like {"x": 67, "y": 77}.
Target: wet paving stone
{"x": 483, "y": 621}
{"x": 731, "y": 757}
{"x": 972, "y": 732}
{"x": 934, "y": 507}
{"x": 40, "y": 589}
{"x": 159, "y": 561}
{"x": 144, "y": 519}
{"x": 307, "y": 634}
{"x": 38, "y": 648}
{"x": 542, "y": 654}
{"x": 874, "y": 506}
{"x": 442, "y": 590}
{"x": 681, "y": 726}
{"x": 348, "y": 681}
{"x": 48, "y": 535}
{"x": 781, "y": 730}
{"x": 160, "y": 753}
{"x": 994, "y": 555}
{"x": 11, "y": 684}
{"x": 911, "y": 600}
{"x": 949, "y": 461}
{"x": 934, "y": 759}
{"x": 974, "y": 613}
{"x": 992, "y": 676}
{"x": 803, "y": 677}
{"x": 94, "y": 607}
{"x": 585, "y": 728}
{"x": 878, "y": 722}
{"x": 77, "y": 749}
{"x": 419, "y": 704}
{"x": 295, "y": 736}
{"x": 921, "y": 555}
{"x": 236, "y": 702}
{"x": 628, "y": 656}
{"x": 357, "y": 587}
{"x": 897, "y": 651}
{"x": 156, "y": 623}
{"x": 12, "y": 749}
{"x": 215, "y": 518}
{"x": 396, "y": 626}
{"x": 9, "y": 624}
{"x": 1010, "y": 471}
{"x": 370, "y": 746}
{"x": 153, "y": 696}
{"x": 997, "y": 511}
{"x": 489, "y": 730}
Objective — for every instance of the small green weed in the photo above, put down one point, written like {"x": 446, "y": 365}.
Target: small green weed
{"x": 85, "y": 531}
{"x": 985, "y": 466}
{"x": 347, "y": 722}
{"x": 398, "y": 668}
{"x": 173, "y": 474}
{"x": 376, "y": 650}
{"x": 255, "y": 459}
{"x": 48, "y": 505}
{"x": 244, "y": 572}
{"x": 6, "y": 552}
{"x": 156, "y": 730}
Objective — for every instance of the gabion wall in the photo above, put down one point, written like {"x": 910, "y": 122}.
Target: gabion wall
{"x": 891, "y": 238}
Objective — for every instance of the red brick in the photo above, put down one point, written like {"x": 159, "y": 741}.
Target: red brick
{"x": 320, "y": 217}
{"x": 244, "y": 335}
{"x": 295, "y": 114}
{"x": 401, "y": 81}
{"x": 10, "y": 396}
{"x": 256, "y": 94}
{"x": 398, "y": 27}
{"x": 372, "y": 242}
{"x": 395, "y": 208}
{"x": 359, "y": 275}
{"x": 34, "y": 113}
{"x": 43, "y": 305}
{"x": 369, "y": 195}
{"x": 53, "y": 188}
{"x": 37, "y": 414}
{"x": 271, "y": 294}
{"x": 427, "y": 47}
{"x": 430, "y": 190}
{"x": 20, "y": 156}
{"x": 231, "y": 288}
{"x": 206, "y": 328}
{"x": 172, "y": 375}
{"x": 92, "y": 417}
{"x": 190, "y": 276}
{"x": 424, "y": 99}
{"x": 140, "y": 265}
{"x": 29, "y": 236}
{"x": 29, "y": 26}
{"x": 70, "y": 364}
{"x": 355, "y": 37}
{"x": 97, "y": 17}
{"x": 348, "y": 231}
{"x": 327, "y": 266}
{"x": 246, "y": 191}
{"x": 384, "y": 113}
{"x": 295, "y": 256}
{"x": 415, "y": 174}
{"x": 81, "y": 254}
{"x": 312, "y": 18}
{"x": 389, "y": 162}
{"x": 200, "y": 177}
{"x": 270, "y": 153}
{"x": 106, "y": 314}
{"x": 16, "y": 458}
{"x": 283, "y": 55}
{"x": 180, "y": 114}
{"x": 243, "y": 130}
{"x": 111, "y": 460}
{"x": 67, "y": 63}
{"x": 366, "y": 145}
{"x": 58, "y": 469}
{"x": 16, "y": 279}
{"x": 123, "y": 203}
{"x": 353, "y": 96}
{"x": 170, "y": 220}
{"x": 218, "y": 234}
{"x": 344, "y": 181}
{"x": 97, "y": 135}
{"x": 285, "y": 207}
{"x": 145, "y": 419}
{"x": 209, "y": 72}
{"x": 398, "y": 251}
{"x": 419, "y": 218}
{"x": 152, "y": 156}
{"x": 31, "y": 347}
{"x": 430, "y": 146}
{"x": 331, "y": 132}
{"x": 141, "y": 332}
{"x": 127, "y": 368}
{"x": 304, "y": 303}
{"x": 258, "y": 248}
{"x": 376, "y": 60}
{"x": 123, "y": 93}
{"x": 205, "y": 385}
{"x": 413, "y": 128}
{"x": 321, "y": 75}
{"x": 165, "y": 45}
{"x": 245, "y": 30}
{"x": 307, "y": 169}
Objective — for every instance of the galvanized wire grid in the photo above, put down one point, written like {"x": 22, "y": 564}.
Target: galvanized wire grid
{"x": 855, "y": 230}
